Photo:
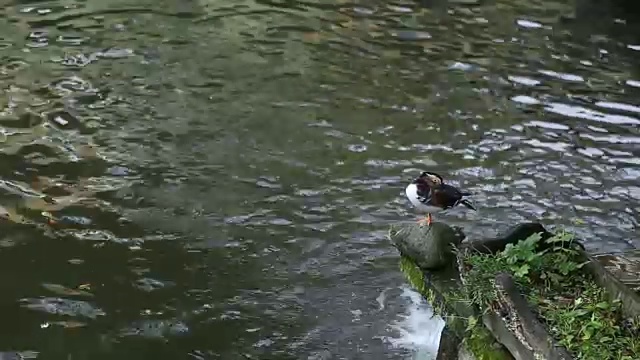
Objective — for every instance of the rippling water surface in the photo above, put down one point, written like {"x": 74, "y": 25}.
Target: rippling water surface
{"x": 214, "y": 180}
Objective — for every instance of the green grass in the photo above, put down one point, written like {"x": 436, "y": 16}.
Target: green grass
{"x": 577, "y": 313}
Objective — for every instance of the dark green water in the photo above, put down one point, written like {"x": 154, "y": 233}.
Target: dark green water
{"x": 214, "y": 180}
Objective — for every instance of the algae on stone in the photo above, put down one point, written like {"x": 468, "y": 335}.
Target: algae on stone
{"x": 483, "y": 346}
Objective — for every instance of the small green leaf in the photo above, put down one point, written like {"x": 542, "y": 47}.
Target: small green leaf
{"x": 472, "y": 321}
{"x": 522, "y": 271}
{"x": 568, "y": 338}
{"x": 602, "y": 305}
{"x": 580, "y": 312}
{"x": 533, "y": 239}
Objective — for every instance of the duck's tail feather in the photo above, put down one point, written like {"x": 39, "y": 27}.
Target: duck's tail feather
{"x": 468, "y": 204}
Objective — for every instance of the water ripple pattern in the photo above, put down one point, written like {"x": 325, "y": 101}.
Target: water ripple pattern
{"x": 198, "y": 179}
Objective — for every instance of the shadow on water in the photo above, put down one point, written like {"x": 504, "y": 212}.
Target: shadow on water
{"x": 195, "y": 179}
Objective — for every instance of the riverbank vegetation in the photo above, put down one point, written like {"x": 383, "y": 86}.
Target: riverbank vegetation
{"x": 578, "y": 313}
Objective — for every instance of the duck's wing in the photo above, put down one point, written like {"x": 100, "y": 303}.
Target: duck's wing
{"x": 445, "y": 196}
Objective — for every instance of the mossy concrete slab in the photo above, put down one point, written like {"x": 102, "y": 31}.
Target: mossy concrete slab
{"x": 524, "y": 335}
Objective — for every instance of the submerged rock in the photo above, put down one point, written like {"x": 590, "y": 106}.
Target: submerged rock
{"x": 430, "y": 247}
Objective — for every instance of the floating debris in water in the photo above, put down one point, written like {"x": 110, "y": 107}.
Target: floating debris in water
{"x": 148, "y": 284}
{"x": 68, "y": 324}
{"x": 60, "y": 306}
{"x": 79, "y": 220}
{"x": 63, "y": 290}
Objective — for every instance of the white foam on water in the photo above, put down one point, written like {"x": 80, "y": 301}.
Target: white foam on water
{"x": 418, "y": 330}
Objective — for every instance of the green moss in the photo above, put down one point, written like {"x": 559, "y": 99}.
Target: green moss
{"x": 483, "y": 345}
{"x": 577, "y": 312}
{"x": 414, "y": 275}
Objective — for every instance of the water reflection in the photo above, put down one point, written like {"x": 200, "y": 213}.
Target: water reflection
{"x": 216, "y": 180}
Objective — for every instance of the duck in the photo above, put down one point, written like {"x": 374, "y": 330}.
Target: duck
{"x": 429, "y": 194}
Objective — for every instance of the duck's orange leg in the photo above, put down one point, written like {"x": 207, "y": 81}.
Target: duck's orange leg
{"x": 428, "y": 219}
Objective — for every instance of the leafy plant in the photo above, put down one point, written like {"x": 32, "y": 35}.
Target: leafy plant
{"x": 522, "y": 256}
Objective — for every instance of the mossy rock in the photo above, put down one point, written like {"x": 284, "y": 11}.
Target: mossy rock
{"x": 430, "y": 247}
